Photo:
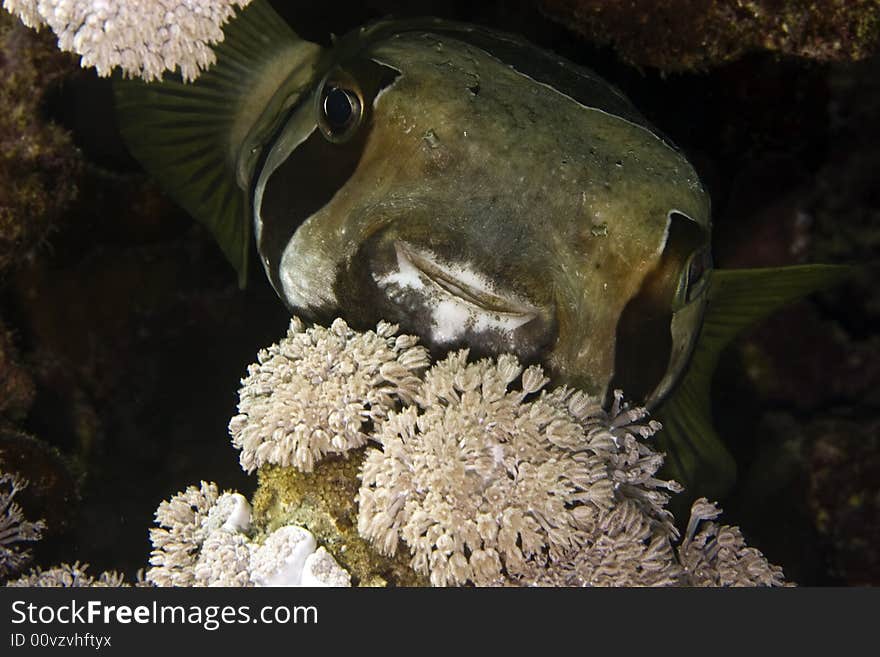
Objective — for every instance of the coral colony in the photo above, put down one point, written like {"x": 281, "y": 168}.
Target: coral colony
{"x": 479, "y": 472}
{"x": 475, "y": 469}
{"x": 203, "y": 540}
{"x": 14, "y": 529}
{"x": 286, "y": 420}
{"x": 143, "y": 38}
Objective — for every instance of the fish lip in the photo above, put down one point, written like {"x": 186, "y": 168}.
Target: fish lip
{"x": 478, "y": 297}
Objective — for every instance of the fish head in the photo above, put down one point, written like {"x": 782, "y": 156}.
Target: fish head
{"x": 428, "y": 182}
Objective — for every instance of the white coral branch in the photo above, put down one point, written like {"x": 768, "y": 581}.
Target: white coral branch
{"x": 14, "y": 529}
{"x": 203, "y": 539}
{"x": 717, "y": 555}
{"x": 67, "y": 575}
{"x": 144, "y": 38}
{"x": 318, "y": 390}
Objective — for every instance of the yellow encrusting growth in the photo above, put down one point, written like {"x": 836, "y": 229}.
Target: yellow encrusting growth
{"x": 323, "y": 502}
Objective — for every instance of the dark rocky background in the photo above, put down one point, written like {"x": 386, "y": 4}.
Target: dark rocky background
{"x": 123, "y": 334}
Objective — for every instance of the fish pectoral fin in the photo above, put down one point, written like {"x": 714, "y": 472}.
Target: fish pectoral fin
{"x": 196, "y": 139}
{"x": 738, "y": 298}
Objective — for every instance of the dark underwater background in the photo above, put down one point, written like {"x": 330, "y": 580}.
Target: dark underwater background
{"x": 123, "y": 334}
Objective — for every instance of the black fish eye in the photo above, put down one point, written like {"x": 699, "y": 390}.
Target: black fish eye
{"x": 340, "y": 112}
{"x": 340, "y": 106}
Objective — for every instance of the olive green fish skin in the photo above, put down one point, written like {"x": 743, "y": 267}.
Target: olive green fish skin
{"x": 479, "y": 191}
{"x": 483, "y": 208}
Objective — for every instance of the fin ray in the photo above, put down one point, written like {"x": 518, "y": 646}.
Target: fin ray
{"x": 738, "y": 298}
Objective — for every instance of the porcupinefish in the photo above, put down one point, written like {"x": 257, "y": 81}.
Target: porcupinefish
{"x": 474, "y": 189}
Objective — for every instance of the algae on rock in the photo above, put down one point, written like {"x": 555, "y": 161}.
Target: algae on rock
{"x": 323, "y": 501}
{"x": 39, "y": 164}
{"x": 683, "y": 35}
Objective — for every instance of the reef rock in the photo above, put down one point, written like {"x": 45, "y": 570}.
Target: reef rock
{"x": 680, "y": 35}
{"x": 38, "y": 162}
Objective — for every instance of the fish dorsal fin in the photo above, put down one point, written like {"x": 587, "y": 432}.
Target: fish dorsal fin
{"x": 738, "y": 298}
{"x": 199, "y": 140}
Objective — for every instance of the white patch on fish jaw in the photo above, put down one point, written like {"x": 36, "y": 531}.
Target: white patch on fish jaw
{"x": 307, "y": 274}
{"x": 450, "y": 292}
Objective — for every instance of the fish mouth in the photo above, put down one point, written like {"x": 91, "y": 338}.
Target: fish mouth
{"x": 465, "y": 285}
{"x": 450, "y": 302}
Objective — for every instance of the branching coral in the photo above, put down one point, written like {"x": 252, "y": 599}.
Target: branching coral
{"x": 181, "y": 533}
{"x": 69, "y": 575}
{"x": 485, "y": 476}
{"x": 202, "y": 540}
{"x": 14, "y": 529}
{"x": 145, "y": 38}
{"x": 717, "y": 555}
{"x": 317, "y": 392}
{"x": 487, "y": 486}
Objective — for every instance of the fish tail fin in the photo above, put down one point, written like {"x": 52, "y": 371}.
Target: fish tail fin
{"x": 200, "y": 140}
{"x": 738, "y": 298}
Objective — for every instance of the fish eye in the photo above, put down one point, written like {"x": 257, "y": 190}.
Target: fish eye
{"x": 340, "y": 106}
{"x": 340, "y": 110}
